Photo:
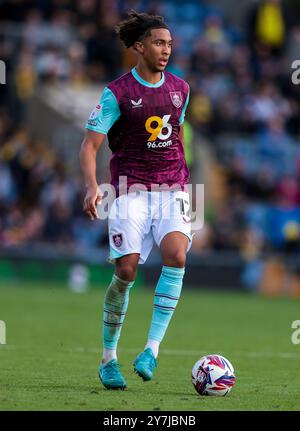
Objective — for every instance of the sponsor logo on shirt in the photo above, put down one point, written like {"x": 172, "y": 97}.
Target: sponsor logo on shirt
{"x": 95, "y": 112}
{"x": 158, "y": 127}
{"x": 159, "y": 144}
{"x": 137, "y": 104}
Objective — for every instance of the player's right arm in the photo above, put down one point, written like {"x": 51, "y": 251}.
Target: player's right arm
{"x": 101, "y": 120}
{"x": 88, "y": 153}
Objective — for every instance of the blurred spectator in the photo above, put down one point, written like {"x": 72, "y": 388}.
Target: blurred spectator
{"x": 268, "y": 27}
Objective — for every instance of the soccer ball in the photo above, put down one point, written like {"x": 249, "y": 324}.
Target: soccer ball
{"x": 213, "y": 375}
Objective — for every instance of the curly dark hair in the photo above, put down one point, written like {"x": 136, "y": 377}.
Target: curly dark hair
{"x": 138, "y": 26}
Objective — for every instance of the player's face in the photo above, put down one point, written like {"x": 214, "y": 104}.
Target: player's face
{"x": 157, "y": 49}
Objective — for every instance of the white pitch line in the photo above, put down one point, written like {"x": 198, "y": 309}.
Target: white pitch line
{"x": 8, "y": 347}
{"x": 170, "y": 352}
{"x": 197, "y": 353}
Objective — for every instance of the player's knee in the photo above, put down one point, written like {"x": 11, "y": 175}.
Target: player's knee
{"x": 127, "y": 272}
{"x": 176, "y": 259}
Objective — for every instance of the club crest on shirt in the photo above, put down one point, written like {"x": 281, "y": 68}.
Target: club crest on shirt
{"x": 118, "y": 239}
{"x": 176, "y": 98}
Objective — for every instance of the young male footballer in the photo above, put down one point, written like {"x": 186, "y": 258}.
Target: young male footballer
{"x": 142, "y": 114}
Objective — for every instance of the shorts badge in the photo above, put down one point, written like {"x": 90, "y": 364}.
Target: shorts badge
{"x": 118, "y": 239}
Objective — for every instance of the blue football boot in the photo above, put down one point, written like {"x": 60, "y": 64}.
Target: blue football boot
{"x": 111, "y": 376}
{"x": 144, "y": 364}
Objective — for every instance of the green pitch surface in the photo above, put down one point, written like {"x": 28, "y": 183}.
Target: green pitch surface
{"x": 53, "y": 338}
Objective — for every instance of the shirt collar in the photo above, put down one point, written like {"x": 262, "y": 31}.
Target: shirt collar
{"x": 147, "y": 84}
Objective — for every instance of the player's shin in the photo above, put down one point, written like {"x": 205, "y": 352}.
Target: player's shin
{"x": 115, "y": 307}
{"x": 167, "y": 294}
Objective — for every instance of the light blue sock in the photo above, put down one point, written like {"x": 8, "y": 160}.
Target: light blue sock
{"x": 115, "y": 307}
{"x": 167, "y": 293}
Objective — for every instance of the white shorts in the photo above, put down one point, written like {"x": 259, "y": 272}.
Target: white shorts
{"x": 138, "y": 219}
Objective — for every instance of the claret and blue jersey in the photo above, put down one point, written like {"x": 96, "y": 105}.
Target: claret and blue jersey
{"x": 142, "y": 122}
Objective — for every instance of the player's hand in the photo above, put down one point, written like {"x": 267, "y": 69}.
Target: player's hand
{"x": 92, "y": 198}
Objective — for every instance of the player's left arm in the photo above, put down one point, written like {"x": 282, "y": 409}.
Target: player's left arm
{"x": 181, "y": 134}
{"x": 181, "y": 120}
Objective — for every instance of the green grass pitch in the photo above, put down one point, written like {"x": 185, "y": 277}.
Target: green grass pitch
{"x": 52, "y": 353}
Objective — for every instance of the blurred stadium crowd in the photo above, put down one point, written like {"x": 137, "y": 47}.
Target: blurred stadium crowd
{"x": 243, "y": 103}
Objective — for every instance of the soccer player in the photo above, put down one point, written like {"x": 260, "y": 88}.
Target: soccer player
{"x": 142, "y": 114}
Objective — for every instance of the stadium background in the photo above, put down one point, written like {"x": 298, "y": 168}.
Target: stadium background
{"x": 242, "y": 134}
{"x": 242, "y": 142}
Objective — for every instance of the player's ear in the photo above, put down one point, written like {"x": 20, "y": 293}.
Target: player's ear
{"x": 139, "y": 47}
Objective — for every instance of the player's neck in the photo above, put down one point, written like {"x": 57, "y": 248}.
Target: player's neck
{"x": 147, "y": 75}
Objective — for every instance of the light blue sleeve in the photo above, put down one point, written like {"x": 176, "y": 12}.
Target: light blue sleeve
{"x": 181, "y": 119}
{"x": 105, "y": 114}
